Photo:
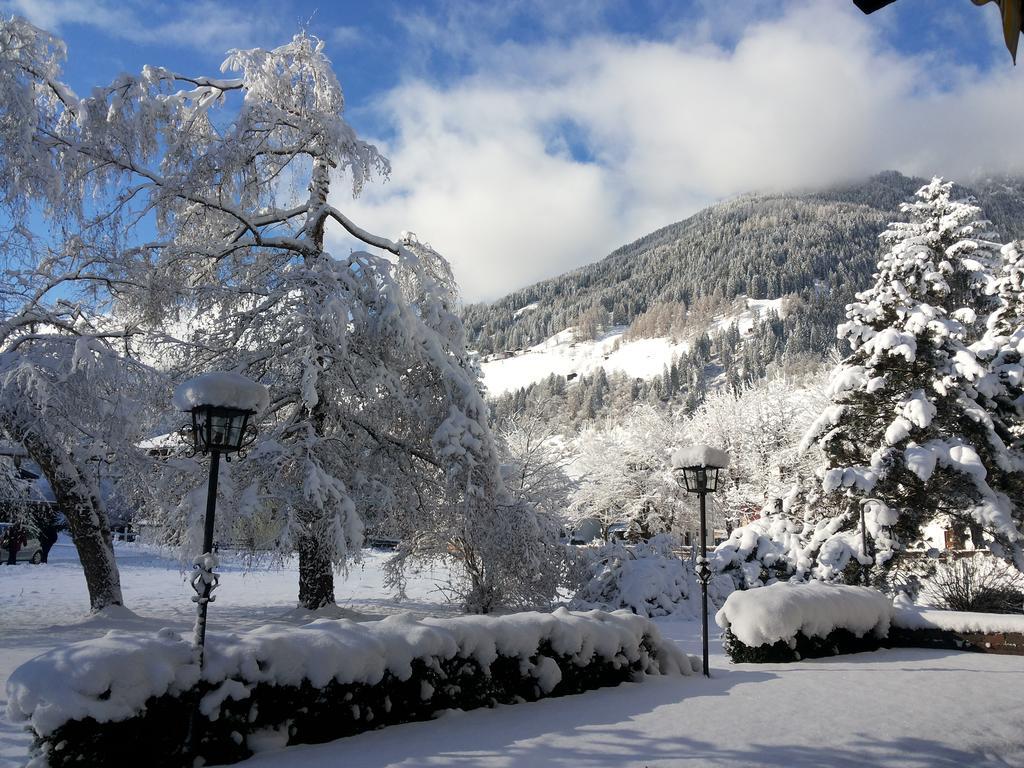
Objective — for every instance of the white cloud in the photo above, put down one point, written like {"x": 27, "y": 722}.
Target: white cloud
{"x": 485, "y": 167}
{"x": 201, "y": 25}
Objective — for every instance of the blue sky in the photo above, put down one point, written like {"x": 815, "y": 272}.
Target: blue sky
{"x": 528, "y": 137}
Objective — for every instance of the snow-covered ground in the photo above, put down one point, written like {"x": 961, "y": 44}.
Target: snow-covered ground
{"x": 910, "y": 708}
{"x": 747, "y": 313}
{"x": 642, "y": 358}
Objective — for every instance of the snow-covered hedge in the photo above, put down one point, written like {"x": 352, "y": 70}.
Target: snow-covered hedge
{"x": 126, "y": 698}
{"x": 957, "y": 621}
{"x": 786, "y": 622}
{"x": 648, "y": 579}
{"x": 914, "y": 627}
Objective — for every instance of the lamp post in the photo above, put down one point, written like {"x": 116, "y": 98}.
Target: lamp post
{"x": 698, "y": 466}
{"x": 222, "y": 406}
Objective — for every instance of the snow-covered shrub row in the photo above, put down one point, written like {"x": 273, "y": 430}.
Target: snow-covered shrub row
{"x": 786, "y": 622}
{"x": 648, "y": 579}
{"x": 126, "y": 698}
{"x": 906, "y": 617}
{"x": 914, "y": 627}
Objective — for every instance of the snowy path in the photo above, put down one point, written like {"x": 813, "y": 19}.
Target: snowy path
{"x": 893, "y": 708}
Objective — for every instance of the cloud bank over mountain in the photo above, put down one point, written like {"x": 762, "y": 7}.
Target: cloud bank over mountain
{"x": 539, "y": 157}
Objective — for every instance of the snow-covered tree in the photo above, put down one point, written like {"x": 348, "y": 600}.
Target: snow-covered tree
{"x": 624, "y": 474}
{"x": 213, "y": 196}
{"x": 1003, "y": 344}
{"x": 67, "y": 387}
{"x": 905, "y": 438}
{"x": 68, "y": 399}
{"x": 534, "y": 463}
{"x": 760, "y": 426}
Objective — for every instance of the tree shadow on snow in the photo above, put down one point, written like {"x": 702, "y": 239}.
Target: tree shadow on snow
{"x": 478, "y": 736}
{"x": 521, "y": 741}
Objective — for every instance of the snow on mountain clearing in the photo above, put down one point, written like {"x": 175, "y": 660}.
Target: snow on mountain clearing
{"x": 561, "y": 355}
{"x": 642, "y": 358}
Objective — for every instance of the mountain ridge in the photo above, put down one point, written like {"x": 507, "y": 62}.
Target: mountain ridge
{"x": 818, "y": 245}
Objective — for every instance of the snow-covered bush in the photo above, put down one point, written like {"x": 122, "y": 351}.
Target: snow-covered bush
{"x": 787, "y": 622}
{"x": 759, "y": 553}
{"x": 126, "y": 699}
{"x": 979, "y": 583}
{"x": 647, "y": 579}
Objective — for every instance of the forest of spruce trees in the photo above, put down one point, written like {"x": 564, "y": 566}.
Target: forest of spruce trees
{"x": 815, "y": 249}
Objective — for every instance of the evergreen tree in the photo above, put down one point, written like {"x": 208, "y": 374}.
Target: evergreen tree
{"x": 905, "y": 439}
{"x": 1004, "y": 344}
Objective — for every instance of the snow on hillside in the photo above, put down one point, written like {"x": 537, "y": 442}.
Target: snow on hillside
{"x": 748, "y": 315}
{"x": 528, "y": 308}
{"x": 641, "y": 358}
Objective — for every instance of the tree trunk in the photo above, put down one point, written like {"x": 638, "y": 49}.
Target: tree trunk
{"x": 977, "y": 538}
{"x": 316, "y": 575}
{"x": 316, "y": 568}
{"x": 87, "y": 520}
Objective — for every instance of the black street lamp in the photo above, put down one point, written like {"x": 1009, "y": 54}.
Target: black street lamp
{"x": 222, "y": 406}
{"x": 698, "y": 466}
{"x": 865, "y": 567}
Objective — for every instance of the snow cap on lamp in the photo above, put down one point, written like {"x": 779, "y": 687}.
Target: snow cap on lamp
{"x": 222, "y": 389}
{"x": 699, "y": 456}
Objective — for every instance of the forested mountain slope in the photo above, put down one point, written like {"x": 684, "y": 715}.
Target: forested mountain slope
{"x": 818, "y": 247}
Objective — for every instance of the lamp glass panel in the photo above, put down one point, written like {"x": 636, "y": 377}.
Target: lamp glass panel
{"x": 699, "y": 479}
{"x": 219, "y": 429}
{"x": 712, "y": 479}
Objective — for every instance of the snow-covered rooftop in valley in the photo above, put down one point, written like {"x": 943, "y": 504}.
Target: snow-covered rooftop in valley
{"x": 699, "y": 456}
{"x": 12, "y": 448}
{"x": 158, "y": 442}
{"x": 222, "y": 389}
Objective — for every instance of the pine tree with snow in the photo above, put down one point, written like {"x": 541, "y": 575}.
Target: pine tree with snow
{"x": 905, "y": 438}
{"x": 1003, "y": 344}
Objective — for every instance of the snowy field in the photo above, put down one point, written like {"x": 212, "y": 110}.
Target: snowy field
{"x": 894, "y": 708}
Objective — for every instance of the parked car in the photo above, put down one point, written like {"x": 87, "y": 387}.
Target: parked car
{"x": 31, "y": 550}
{"x": 123, "y": 532}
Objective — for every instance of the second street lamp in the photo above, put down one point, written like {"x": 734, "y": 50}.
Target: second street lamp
{"x": 697, "y": 468}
